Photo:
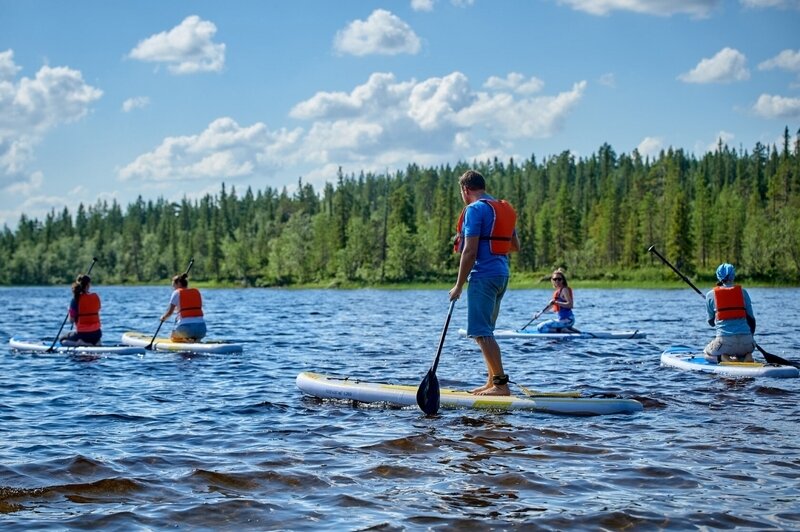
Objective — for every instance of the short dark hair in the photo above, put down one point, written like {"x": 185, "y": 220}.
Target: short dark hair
{"x": 472, "y": 180}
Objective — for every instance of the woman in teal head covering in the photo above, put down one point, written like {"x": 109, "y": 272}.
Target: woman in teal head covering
{"x": 731, "y": 314}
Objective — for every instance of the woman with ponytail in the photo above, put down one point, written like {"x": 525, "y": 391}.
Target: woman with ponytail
{"x": 189, "y": 323}
{"x": 84, "y": 312}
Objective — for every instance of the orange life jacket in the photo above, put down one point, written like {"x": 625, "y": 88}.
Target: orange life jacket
{"x": 557, "y": 293}
{"x": 729, "y": 302}
{"x": 505, "y": 219}
{"x": 88, "y": 318}
{"x": 190, "y": 302}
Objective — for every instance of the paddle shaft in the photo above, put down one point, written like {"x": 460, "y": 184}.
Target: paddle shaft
{"x": 769, "y": 357}
{"x": 161, "y": 322}
{"x": 536, "y": 316}
{"x": 435, "y": 364}
{"x": 52, "y": 346}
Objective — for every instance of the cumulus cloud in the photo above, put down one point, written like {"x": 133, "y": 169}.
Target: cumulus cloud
{"x": 382, "y": 33}
{"x": 383, "y": 122}
{"x": 771, "y": 106}
{"x": 695, "y": 8}
{"x": 650, "y": 146}
{"x": 786, "y": 60}
{"x": 30, "y": 108}
{"x": 186, "y": 49}
{"x": 515, "y": 82}
{"x": 726, "y": 66}
{"x": 223, "y": 150}
{"x": 422, "y": 5}
{"x": 139, "y": 102}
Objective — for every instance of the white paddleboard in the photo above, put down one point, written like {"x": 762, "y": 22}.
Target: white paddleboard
{"x": 533, "y": 334}
{"x": 40, "y": 346}
{"x": 140, "y": 339}
{"x": 328, "y": 387}
{"x": 687, "y": 358}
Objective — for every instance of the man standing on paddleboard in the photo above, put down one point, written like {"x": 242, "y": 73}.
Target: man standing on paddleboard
{"x": 486, "y": 234}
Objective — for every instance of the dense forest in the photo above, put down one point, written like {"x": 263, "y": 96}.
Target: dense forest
{"x": 595, "y": 216}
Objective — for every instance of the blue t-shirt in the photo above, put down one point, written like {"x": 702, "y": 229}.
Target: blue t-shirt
{"x": 478, "y": 221}
{"x": 729, "y": 327}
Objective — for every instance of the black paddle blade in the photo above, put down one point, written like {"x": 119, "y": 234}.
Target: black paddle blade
{"x": 428, "y": 394}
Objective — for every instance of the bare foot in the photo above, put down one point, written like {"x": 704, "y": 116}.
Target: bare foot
{"x": 481, "y": 388}
{"x": 501, "y": 389}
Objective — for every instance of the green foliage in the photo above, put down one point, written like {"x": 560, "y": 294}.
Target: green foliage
{"x": 594, "y": 216}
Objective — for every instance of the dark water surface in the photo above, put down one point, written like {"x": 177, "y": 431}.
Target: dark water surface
{"x": 227, "y": 442}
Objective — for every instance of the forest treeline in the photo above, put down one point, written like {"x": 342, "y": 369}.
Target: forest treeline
{"x": 595, "y": 216}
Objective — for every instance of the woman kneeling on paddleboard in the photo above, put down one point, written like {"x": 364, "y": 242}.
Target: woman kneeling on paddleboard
{"x": 84, "y": 312}
{"x": 561, "y": 304}
{"x": 189, "y": 324}
{"x": 731, "y": 314}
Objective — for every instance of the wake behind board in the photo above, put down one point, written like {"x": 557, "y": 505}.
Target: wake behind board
{"x": 687, "y": 358}
{"x": 584, "y": 335}
{"x": 166, "y": 344}
{"x": 41, "y": 346}
{"x": 329, "y": 387}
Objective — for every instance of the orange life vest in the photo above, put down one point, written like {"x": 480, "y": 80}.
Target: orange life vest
{"x": 557, "y": 293}
{"x": 88, "y": 318}
{"x": 190, "y": 302}
{"x": 729, "y": 302}
{"x": 505, "y": 219}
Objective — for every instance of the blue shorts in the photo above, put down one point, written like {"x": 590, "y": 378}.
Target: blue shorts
{"x": 483, "y": 304}
{"x": 189, "y": 331}
{"x": 554, "y": 326}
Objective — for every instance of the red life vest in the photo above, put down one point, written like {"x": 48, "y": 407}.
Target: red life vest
{"x": 505, "y": 219}
{"x": 190, "y": 302}
{"x": 88, "y": 318}
{"x": 729, "y": 302}
{"x": 557, "y": 293}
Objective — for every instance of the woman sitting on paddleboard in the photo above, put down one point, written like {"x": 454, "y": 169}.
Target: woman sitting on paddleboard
{"x": 731, "y": 314}
{"x": 189, "y": 324}
{"x": 84, "y": 312}
{"x": 561, "y": 304}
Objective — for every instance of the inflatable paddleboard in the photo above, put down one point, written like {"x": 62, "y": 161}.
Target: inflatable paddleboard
{"x": 327, "y": 387}
{"x": 40, "y": 346}
{"x": 687, "y": 358}
{"x": 140, "y": 339}
{"x": 533, "y": 334}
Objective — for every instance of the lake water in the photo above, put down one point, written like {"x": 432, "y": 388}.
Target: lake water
{"x": 228, "y": 442}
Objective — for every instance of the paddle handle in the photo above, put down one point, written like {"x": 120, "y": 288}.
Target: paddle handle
{"x": 654, "y": 251}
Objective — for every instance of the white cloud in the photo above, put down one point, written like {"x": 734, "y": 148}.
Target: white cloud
{"x": 665, "y": 8}
{"x": 724, "y": 138}
{"x": 515, "y": 82}
{"x": 770, "y": 106}
{"x": 726, "y": 66}
{"x": 223, "y": 150}
{"x": 382, "y": 33}
{"x": 186, "y": 49}
{"x": 422, "y": 5}
{"x": 650, "y": 146}
{"x": 786, "y": 60}
{"x": 138, "y": 102}
{"x": 30, "y": 108}
{"x": 381, "y": 123}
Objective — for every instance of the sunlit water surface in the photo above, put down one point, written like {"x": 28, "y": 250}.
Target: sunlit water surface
{"x": 228, "y": 442}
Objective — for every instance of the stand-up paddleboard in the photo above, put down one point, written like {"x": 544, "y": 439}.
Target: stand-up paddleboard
{"x": 683, "y": 357}
{"x": 140, "y": 339}
{"x": 40, "y": 346}
{"x": 327, "y": 387}
{"x": 584, "y": 335}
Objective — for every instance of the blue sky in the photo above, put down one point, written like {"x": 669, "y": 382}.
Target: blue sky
{"x": 112, "y": 100}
